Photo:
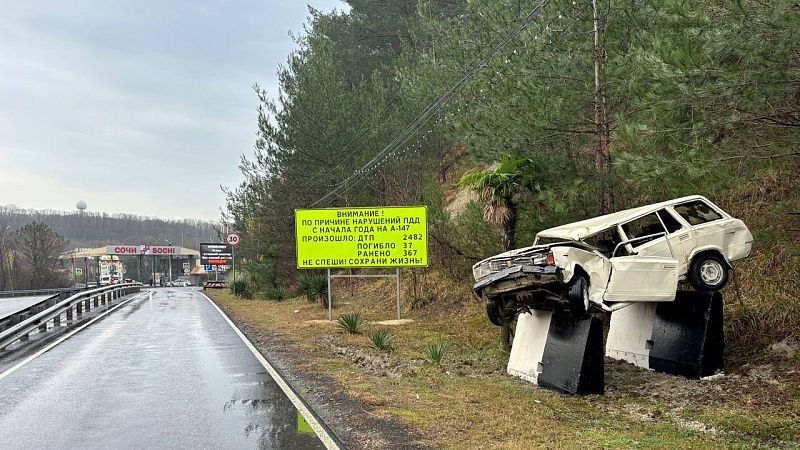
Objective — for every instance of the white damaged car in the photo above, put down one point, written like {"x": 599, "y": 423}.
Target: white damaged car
{"x": 643, "y": 254}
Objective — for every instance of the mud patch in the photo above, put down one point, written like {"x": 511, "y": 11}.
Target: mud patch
{"x": 380, "y": 364}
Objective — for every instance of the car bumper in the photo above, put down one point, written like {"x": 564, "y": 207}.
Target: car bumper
{"x": 517, "y": 278}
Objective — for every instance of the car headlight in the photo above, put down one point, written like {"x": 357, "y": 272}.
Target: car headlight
{"x": 481, "y": 271}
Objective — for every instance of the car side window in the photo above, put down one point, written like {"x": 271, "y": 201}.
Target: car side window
{"x": 697, "y": 212}
{"x": 643, "y": 226}
{"x": 669, "y": 221}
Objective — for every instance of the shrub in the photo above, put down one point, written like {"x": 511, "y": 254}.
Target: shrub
{"x": 435, "y": 352}
{"x": 277, "y": 294}
{"x": 314, "y": 288}
{"x": 382, "y": 340}
{"x": 240, "y": 288}
{"x": 352, "y": 323}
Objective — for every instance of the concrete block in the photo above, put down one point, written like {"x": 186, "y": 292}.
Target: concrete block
{"x": 557, "y": 351}
{"x": 683, "y": 337}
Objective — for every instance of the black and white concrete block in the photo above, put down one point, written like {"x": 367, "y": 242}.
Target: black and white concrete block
{"x": 556, "y": 351}
{"x": 683, "y": 337}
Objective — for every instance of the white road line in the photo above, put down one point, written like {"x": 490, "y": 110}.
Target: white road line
{"x": 63, "y": 338}
{"x": 323, "y": 435}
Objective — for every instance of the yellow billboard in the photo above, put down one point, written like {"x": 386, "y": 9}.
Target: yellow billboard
{"x": 362, "y": 237}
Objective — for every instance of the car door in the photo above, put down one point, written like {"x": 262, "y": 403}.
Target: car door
{"x": 649, "y": 273}
{"x": 680, "y": 238}
{"x": 639, "y": 278}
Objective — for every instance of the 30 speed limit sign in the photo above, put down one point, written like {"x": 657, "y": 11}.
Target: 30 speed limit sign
{"x": 233, "y": 239}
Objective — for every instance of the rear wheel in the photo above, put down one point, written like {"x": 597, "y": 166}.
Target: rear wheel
{"x": 708, "y": 273}
{"x": 578, "y": 296}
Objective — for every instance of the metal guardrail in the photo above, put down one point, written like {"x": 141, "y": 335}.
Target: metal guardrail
{"x": 79, "y": 301}
{"x": 32, "y": 292}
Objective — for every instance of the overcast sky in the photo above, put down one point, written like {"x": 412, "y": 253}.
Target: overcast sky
{"x": 140, "y": 106}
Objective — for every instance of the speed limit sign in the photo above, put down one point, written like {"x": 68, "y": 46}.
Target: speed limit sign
{"x": 233, "y": 239}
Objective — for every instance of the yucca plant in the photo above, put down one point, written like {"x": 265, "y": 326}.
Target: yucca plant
{"x": 435, "y": 352}
{"x": 382, "y": 340}
{"x": 277, "y": 294}
{"x": 314, "y": 288}
{"x": 240, "y": 288}
{"x": 352, "y": 323}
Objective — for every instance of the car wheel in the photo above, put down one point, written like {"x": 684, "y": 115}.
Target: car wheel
{"x": 493, "y": 312}
{"x": 708, "y": 272}
{"x": 578, "y": 296}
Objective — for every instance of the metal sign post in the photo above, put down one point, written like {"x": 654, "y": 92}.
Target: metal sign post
{"x": 371, "y": 237}
{"x": 233, "y": 239}
{"x": 330, "y": 306}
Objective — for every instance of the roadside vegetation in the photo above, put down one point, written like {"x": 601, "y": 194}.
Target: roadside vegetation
{"x": 466, "y": 400}
{"x": 594, "y": 107}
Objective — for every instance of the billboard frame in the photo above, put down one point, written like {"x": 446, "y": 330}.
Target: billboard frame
{"x": 297, "y": 244}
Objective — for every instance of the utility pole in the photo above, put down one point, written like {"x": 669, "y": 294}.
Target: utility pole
{"x": 602, "y": 155}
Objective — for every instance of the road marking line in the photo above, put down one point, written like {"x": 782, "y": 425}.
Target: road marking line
{"x": 62, "y": 339}
{"x": 323, "y": 435}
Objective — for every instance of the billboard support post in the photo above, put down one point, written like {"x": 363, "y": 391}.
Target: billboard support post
{"x": 398, "y": 293}
{"x": 330, "y": 306}
{"x": 363, "y": 237}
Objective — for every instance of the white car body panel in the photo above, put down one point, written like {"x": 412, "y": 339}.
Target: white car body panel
{"x": 594, "y": 264}
{"x": 648, "y": 271}
{"x": 639, "y": 278}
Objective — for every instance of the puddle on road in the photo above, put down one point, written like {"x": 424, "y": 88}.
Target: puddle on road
{"x": 274, "y": 421}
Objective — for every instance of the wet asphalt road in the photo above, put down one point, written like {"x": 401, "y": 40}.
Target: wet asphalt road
{"x": 166, "y": 372}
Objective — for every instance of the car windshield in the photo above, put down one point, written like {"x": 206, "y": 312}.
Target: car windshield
{"x": 604, "y": 241}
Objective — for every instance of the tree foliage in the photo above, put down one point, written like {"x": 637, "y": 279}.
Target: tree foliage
{"x": 38, "y": 249}
{"x": 698, "y": 97}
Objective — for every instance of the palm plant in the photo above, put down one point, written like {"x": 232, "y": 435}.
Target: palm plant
{"x": 352, "y": 323}
{"x": 497, "y": 188}
{"x": 435, "y": 352}
{"x": 314, "y": 288}
{"x": 382, "y": 340}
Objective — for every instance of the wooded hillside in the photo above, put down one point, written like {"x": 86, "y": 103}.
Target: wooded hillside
{"x": 89, "y": 229}
{"x": 610, "y": 105}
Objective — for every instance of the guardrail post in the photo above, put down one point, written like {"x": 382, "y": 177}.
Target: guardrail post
{"x": 96, "y": 301}
{"x": 57, "y": 321}
{"x": 43, "y": 327}
{"x": 69, "y": 313}
{"x": 79, "y": 308}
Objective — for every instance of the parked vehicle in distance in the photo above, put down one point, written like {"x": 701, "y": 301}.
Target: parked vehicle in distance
{"x": 214, "y": 285}
{"x": 642, "y": 254}
{"x": 178, "y": 283}
{"x": 105, "y": 280}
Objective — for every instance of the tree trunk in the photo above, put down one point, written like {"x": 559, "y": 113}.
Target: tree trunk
{"x": 505, "y": 337}
{"x": 510, "y": 226}
{"x": 509, "y": 242}
{"x": 602, "y": 155}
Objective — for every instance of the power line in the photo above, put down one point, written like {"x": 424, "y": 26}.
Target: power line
{"x": 443, "y": 98}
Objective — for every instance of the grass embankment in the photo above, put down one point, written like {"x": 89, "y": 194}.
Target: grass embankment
{"x": 470, "y": 402}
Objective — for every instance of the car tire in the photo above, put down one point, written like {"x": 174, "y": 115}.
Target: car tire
{"x": 500, "y": 312}
{"x": 578, "y": 296}
{"x": 493, "y": 312}
{"x": 709, "y": 272}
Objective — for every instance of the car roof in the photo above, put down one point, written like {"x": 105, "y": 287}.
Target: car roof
{"x": 579, "y": 230}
